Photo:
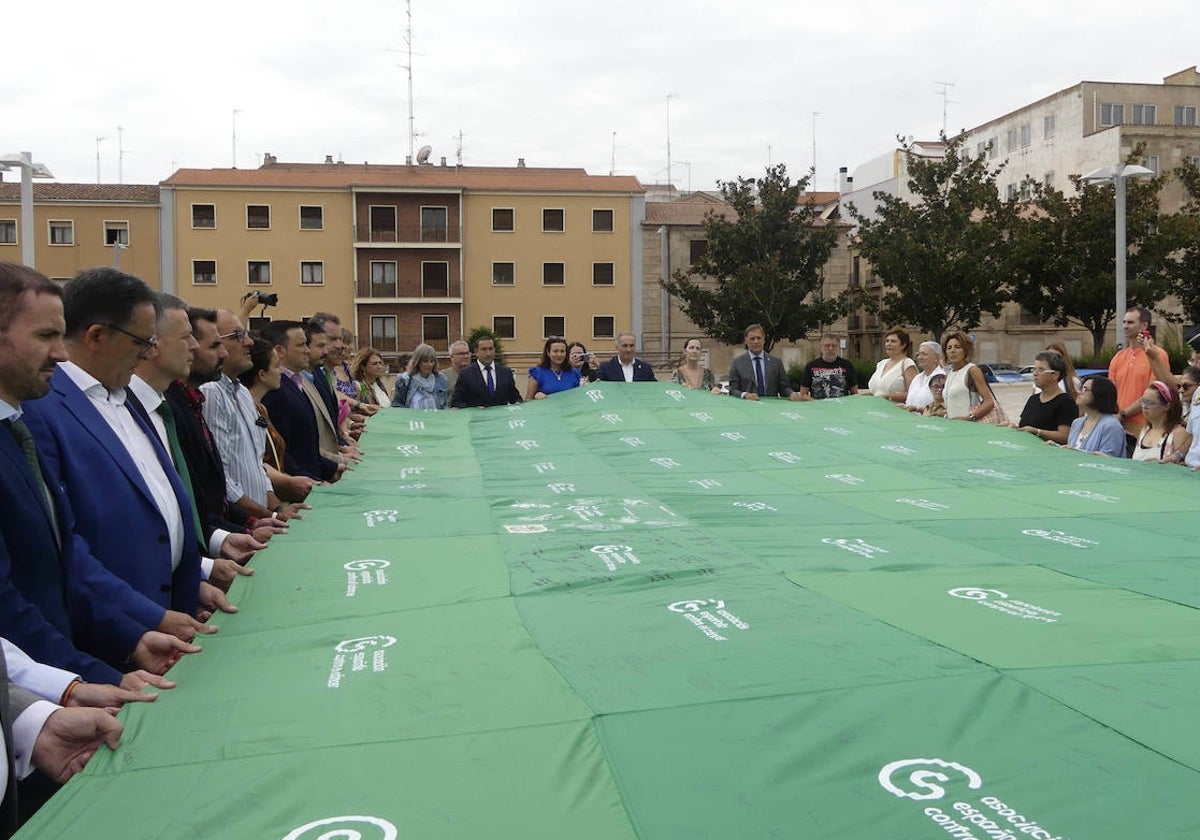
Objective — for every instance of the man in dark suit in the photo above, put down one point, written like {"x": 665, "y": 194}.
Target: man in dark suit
{"x": 625, "y": 366}
{"x": 101, "y": 452}
{"x": 291, "y": 412}
{"x": 53, "y": 592}
{"x": 485, "y": 383}
{"x": 758, "y": 374}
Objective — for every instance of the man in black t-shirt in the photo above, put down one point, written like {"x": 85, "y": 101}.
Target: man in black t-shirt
{"x": 828, "y": 375}
{"x": 1050, "y": 413}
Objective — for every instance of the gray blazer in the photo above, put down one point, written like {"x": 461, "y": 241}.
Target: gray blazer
{"x": 13, "y": 701}
{"x": 741, "y": 377}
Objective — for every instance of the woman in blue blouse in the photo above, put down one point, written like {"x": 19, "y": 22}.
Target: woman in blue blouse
{"x": 1098, "y": 430}
{"x": 552, "y": 373}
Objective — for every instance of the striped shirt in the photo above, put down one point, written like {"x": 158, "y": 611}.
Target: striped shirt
{"x": 230, "y": 413}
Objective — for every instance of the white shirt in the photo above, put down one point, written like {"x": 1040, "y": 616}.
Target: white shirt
{"x": 627, "y": 371}
{"x": 43, "y": 680}
{"x": 1192, "y": 459}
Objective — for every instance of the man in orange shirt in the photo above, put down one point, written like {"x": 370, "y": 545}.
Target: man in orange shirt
{"x": 1132, "y": 369}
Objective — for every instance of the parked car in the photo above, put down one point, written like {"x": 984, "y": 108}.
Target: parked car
{"x": 1027, "y": 373}
{"x": 995, "y": 372}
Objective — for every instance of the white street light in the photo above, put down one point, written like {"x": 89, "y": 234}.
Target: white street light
{"x": 1117, "y": 175}
{"x": 29, "y": 171}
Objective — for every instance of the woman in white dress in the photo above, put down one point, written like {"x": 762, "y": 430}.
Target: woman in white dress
{"x": 967, "y": 394}
{"x": 929, "y": 360}
{"x": 895, "y": 373}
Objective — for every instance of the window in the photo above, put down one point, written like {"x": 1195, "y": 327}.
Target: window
{"x": 1194, "y": 160}
{"x": 383, "y": 333}
{"x": 504, "y": 326}
{"x": 1048, "y": 179}
{"x": 1010, "y": 140}
{"x": 553, "y": 220}
{"x": 435, "y": 279}
{"x": 553, "y": 274}
{"x": 204, "y": 272}
{"x": 1010, "y": 192}
{"x": 602, "y": 221}
{"x": 259, "y": 272}
{"x": 1151, "y": 163}
{"x": 433, "y": 224}
{"x": 312, "y": 217}
{"x": 62, "y": 233}
{"x": 993, "y": 147}
{"x": 312, "y": 273}
{"x": 1185, "y": 115}
{"x": 435, "y": 331}
{"x": 383, "y": 224}
{"x": 1048, "y": 127}
{"x": 1026, "y": 190}
{"x": 603, "y": 326}
{"x": 1145, "y": 114}
{"x": 8, "y": 231}
{"x": 504, "y": 274}
{"x": 258, "y": 216}
{"x": 383, "y": 279}
{"x": 116, "y": 233}
{"x": 697, "y": 248}
{"x": 855, "y": 272}
{"x": 603, "y": 274}
{"x": 981, "y": 148}
{"x": 553, "y": 325}
{"x": 502, "y": 219}
{"x": 204, "y": 215}
{"x": 1026, "y": 131}
{"x": 1112, "y": 113}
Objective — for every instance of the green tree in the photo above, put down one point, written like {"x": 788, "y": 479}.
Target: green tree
{"x": 482, "y": 331}
{"x": 1067, "y": 271}
{"x": 767, "y": 261}
{"x": 946, "y": 257}
{"x": 1185, "y": 280}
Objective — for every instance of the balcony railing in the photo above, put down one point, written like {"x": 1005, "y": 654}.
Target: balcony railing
{"x": 408, "y": 234}
{"x": 407, "y": 289}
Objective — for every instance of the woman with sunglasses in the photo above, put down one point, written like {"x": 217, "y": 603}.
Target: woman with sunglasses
{"x": 1161, "y": 439}
{"x": 1188, "y": 393}
{"x": 1098, "y": 430}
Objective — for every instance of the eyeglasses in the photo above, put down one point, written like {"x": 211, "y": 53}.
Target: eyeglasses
{"x": 239, "y": 335}
{"x": 936, "y": 386}
{"x": 1186, "y": 386}
{"x": 1151, "y": 403}
{"x": 147, "y": 344}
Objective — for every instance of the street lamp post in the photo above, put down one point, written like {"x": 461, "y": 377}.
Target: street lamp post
{"x": 1117, "y": 175}
{"x": 29, "y": 171}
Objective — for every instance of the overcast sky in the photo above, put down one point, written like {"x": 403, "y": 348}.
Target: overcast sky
{"x": 550, "y": 81}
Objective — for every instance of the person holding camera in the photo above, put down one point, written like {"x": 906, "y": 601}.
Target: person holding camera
{"x": 1133, "y": 368}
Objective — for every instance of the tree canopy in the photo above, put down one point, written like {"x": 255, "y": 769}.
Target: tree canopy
{"x": 767, "y": 262}
{"x": 1185, "y": 281}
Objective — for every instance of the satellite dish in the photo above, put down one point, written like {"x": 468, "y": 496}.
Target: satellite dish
{"x": 423, "y": 154}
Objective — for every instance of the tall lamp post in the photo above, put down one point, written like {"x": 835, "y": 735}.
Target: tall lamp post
{"x": 29, "y": 171}
{"x": 1117, "y": 175}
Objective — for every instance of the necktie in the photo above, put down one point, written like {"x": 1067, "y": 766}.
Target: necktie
{"x": 758, "y": 376}
{"x": 491, "y": 383}
{"x": 24, "y": 439}
{"x": 185, "y": 475}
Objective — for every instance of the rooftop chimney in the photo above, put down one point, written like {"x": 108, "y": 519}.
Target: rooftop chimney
{"x": 328, "y": 159}
{"x": 408, "y": 160}
{"x": 443, "y": 160}
{"x": 843, "y": 179}
{"x": 520, "y": 163}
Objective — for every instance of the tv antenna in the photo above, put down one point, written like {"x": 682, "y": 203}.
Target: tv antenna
{"x": 946, "y": 101}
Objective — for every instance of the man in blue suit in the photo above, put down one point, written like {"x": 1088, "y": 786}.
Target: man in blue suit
{"x": 52, "y": 591}
{"x": 625, "y": 366}
{"x": 485, "y": 383}
{"x": 127, "y": 499}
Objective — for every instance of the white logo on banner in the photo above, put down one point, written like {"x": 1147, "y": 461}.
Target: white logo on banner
{"x": 791, "y": 415}
{"x": 526, "y": 529}
{"x": 755, "y": 506}
{"x": 544, "y": 467}
{"x": 1060, "y": 537}
{"x": 856, "y": 546}
{"x": 418, "y": 486}
{"x": 987, "y": 815}
{"x": 409, "y": 450}
{"x": 846, "y": 478}
{"x": 666, "y": 463}
{"x": 930, "y": 427}
{"x": 924, "y": 504}
{"x": 733, "y": 436}
{"x": 1006, "y": 444}
{"x": 1090, "y": 496}
{"x": 611, "y": 417}
{"x": 705, "y": 483}
{"x": 512, "y": 408}
{"x": 516, "y": 422}
{"x": 363, "y": 573}
{"x": 595, "y": 395}
{"x": 903, "y": 450}
{"x": 416, "y": 425}
{"x": 785, "y": 457}
{"x": 702, "y": 416}
{"x": 527, "y": 444}
{"x": 561, "y": 487}
{"x": 633, "y": 441}
{"x": 409, "y": 472}
{"x": 356, "y": 650}
{"x": 343, "y": 828}
{"x": 838, "y": 430}
{"x": 678, "y": 396}
{"x": 604, "y": 514}
{"x": 374, "y": 517}
{"x": 990, "y": 473}
{"x": 994, "y": 599}
{"x": 709, "y": 616}
{"x": 615, "y": 555}
{"x": 1104, "y": 468}
{"x": 881, "y": 415}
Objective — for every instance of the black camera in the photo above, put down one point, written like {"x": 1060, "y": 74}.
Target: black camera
{"x": 263, "y": 298}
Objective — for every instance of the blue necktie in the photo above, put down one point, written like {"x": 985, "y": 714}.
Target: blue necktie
{"x": 758, "y": 375}
{"x": 490, "y": 382}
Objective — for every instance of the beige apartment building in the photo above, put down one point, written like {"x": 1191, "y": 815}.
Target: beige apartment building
{"x": 78, "y": 226}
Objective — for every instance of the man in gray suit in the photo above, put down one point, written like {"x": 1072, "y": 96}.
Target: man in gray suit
{"x": 758, "y": 374}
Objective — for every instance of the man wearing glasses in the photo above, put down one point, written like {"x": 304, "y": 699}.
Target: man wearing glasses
{"x": 100, "y": 452}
